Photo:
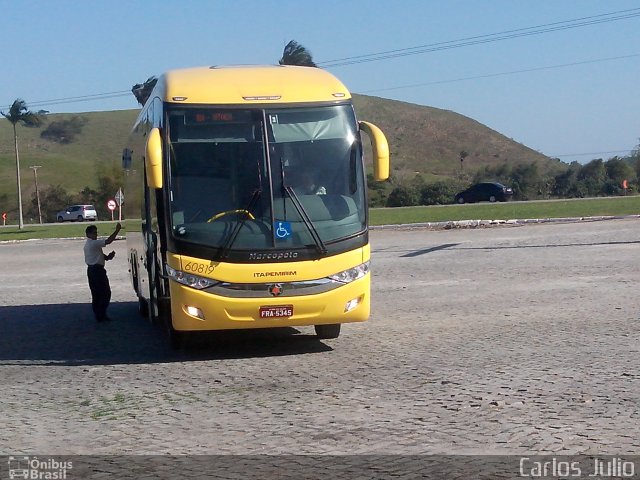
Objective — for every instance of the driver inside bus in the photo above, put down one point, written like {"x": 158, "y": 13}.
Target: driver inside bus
{"x": 308, "y": 185}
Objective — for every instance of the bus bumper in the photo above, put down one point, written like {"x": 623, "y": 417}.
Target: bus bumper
{"x": 193, "y": 310}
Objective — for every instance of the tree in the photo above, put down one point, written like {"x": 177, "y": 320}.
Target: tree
{"x": 108, "y": 185}
{"x": 296, "y": 54}
{"x": 64, "y": 131}
{"x": 142, "y": 91}
{"x": 527, "y": 182}
{"x": 618, "y": 170}
{"x": 635, "y": 160}
{"x": 593, "y": 176}
{"x": 564, "y": 184}
{"x": 19, "y": 113}
{"x": 110, "y": 180}
{"x": 52, "y": 199}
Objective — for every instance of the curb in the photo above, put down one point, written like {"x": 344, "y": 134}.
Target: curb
{"x": 449, "y": 225}
{"x": 119, "y": 237}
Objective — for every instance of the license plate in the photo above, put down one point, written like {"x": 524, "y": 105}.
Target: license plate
{"x": 276, "y": 311}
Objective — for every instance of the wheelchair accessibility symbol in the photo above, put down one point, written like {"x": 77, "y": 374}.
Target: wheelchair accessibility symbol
{"x": 283, "y": 229}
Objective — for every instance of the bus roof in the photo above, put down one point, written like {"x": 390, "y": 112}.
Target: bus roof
{"x": 238, "y": 85}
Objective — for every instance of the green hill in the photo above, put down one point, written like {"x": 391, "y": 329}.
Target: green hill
{"x": 422, "y": 139}
{"x": 429, "y": 140}
{"x": 74, "y": 165}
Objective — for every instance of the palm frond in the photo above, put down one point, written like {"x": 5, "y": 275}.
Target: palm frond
{"x": 32, "y": 120}
{"x": 19, "y": 113}
{"x": 296, "y": 54}
{"x": 142, "y": 91}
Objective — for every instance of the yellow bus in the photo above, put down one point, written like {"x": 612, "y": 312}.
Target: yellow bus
{"x": 246, "y": 201}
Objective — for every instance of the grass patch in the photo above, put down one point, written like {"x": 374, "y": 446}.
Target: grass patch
{"x": 114, "y": 408}
{"x": 584, "y": 207}
{"x": 59, "y": 230}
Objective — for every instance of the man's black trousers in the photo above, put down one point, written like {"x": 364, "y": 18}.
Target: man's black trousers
{"x": 100, "y": 290}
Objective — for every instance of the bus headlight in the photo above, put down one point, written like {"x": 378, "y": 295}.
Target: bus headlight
{"x": 352, "y": 304}
{"x": 194, "y": 311}
{"x": 189, "y": 279}
{"x": 348, "y": 276}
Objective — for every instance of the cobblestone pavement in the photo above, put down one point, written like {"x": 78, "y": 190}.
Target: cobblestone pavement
{"x": 501, "y": 340}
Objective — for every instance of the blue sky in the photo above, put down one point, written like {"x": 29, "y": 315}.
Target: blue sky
{"x": 61, "y": 49}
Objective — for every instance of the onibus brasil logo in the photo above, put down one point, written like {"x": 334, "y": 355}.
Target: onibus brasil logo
{"x": 38, "y": 469}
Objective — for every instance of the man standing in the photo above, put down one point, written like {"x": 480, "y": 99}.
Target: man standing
{"x": 96, "y": 273}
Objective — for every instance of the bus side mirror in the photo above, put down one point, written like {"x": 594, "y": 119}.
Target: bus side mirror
{"x": 153, "y": 159}
{"x": 380, "y": 149}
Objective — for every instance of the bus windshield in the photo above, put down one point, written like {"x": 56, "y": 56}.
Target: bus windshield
{"x": 265, "y": 178}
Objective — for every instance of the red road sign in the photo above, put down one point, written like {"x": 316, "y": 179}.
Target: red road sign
{"x": 111, "y": 205}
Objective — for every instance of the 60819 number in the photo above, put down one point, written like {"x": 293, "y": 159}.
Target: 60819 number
{"x": 198, "y": 268}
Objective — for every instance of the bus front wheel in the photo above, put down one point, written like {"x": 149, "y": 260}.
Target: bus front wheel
{"x": 324, "y": 332}
{"x": 143, "y": 307}
{"x": 177, "y": 339}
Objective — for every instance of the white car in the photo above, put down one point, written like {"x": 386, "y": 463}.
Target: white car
{"x": 77, "y": 213}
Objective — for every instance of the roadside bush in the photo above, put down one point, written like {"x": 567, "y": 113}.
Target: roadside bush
{"x": 612, "y": 187}
{"x": 378, "y": 191}
{"x": 403, "y": 196}
{"x": 64, "y": 131}
{"x": 439, "y": 193}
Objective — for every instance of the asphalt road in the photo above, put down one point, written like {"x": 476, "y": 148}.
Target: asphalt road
{"x": 500, "y": 340}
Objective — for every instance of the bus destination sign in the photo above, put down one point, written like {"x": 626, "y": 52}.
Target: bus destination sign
{"x": 208, "y": 117}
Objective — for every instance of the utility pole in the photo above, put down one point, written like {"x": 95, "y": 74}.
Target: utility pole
{"x": 35, "y": 174}
{"x": 20, "y": 218}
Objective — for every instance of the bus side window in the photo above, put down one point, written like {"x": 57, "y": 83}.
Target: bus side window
{"x": 353, "y": 173}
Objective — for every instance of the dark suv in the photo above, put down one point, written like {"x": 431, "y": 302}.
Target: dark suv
{"x": 486, "y": 191}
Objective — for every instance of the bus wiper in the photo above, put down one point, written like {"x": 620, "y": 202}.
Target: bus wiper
{"x": 236, "y": 229}
{"x": 322, "y": 249}
{"x": 320, "y": 246}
